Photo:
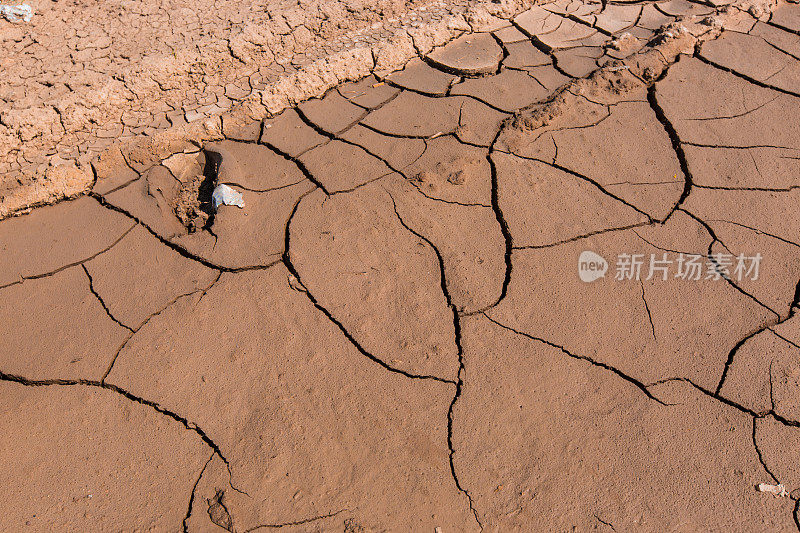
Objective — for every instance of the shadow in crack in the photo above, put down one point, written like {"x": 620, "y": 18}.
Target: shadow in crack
{"x": 206, "y": 188}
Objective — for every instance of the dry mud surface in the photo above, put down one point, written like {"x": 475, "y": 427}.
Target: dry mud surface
{"x": 82, "y": 75}
{"x": 394, "y": 333}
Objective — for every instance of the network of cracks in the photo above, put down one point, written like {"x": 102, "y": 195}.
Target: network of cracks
{"x": 392, "y": 333}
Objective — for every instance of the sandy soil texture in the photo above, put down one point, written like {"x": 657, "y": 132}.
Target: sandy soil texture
{"x": 423, "y": 318}
{"x": 84, "y": 75}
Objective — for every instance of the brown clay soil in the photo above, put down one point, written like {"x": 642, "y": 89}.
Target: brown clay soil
{"x": 83, "y": 75}
{"x": 395, "y": 333}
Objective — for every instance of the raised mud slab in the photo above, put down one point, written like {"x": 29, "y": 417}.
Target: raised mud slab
{"x": 394, "y": 333}
{"x": 81, "y": 77}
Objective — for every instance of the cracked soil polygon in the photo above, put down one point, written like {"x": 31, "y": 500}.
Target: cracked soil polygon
{"x": 610, "y": 320}
{"x": 301, "y": 438}
{"x": 126, "y": 465}
{"x": 468, "y": 55}
{"x": 139, "y": 275}
{"x": 420, "y": 77}
{"x": 289, "y": 134}
{"x": 574, "y": 417}
{"x": 376, "y": 278}
{"x": 62, "y": 310}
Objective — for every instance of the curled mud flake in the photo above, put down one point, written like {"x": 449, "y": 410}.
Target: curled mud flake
{"x": 468, "y": 55}
{"x": 421, "y": 77}
{"x": 756, "y": 10}
{"x": 218, "y": 513}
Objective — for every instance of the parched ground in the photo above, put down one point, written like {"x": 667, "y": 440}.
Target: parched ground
{"x": 84, "y": 75}
{"x": 395, "y": 332}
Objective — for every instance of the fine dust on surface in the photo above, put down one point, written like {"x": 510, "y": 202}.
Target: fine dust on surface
{"x": 392, "y": 335}
{"x": 82, "y": 77}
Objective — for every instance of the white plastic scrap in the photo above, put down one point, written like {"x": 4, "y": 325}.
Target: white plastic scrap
{"x": 777, "y": 490}
{"x": 225, "y": 195}
{"x": 13, "y": 13}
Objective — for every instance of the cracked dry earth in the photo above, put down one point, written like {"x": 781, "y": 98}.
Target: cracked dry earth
{"x": 392, "y": 334}
{"x": 82, "y": 76}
